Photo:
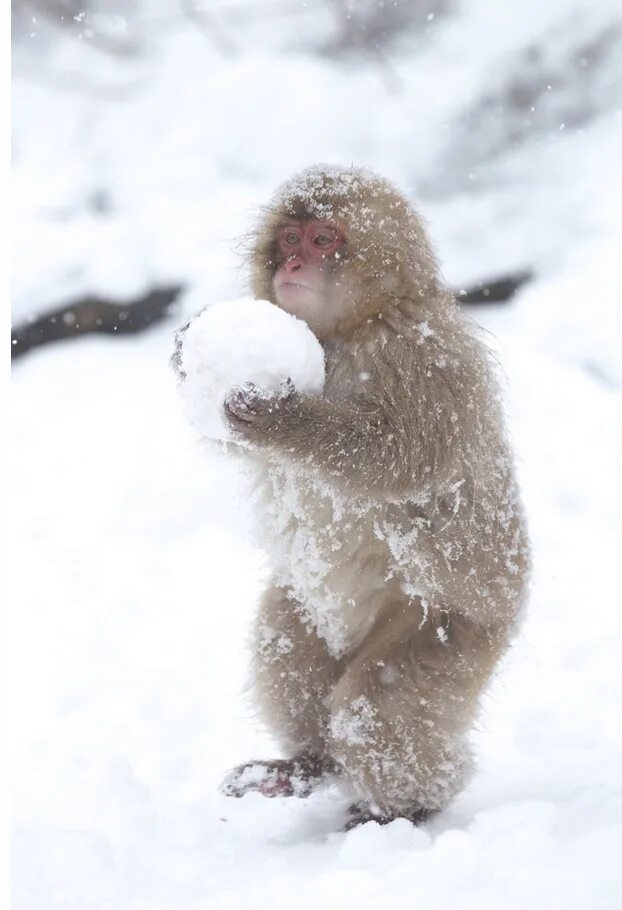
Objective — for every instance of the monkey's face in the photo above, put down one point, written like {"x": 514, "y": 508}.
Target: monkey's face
{"x": 305, "y": 283}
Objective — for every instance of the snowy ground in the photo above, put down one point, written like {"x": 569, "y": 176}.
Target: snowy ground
{"x": 135, "y": 573}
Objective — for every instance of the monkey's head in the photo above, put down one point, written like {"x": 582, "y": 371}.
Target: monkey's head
{"x": 338, "y": 247}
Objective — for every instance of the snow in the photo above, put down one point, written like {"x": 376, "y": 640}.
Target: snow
{"x": 236, "y": 342}
{"x": 135, "y": 574}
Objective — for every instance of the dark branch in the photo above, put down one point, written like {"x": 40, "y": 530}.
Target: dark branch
{"x": 90, "y": 314}
{"x": 497, "y": 290}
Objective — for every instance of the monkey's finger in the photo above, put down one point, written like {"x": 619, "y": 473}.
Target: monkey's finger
{"x": 287, "y": 388}
{"x": 236, "y": 411}
{"x": 241, "y": 405}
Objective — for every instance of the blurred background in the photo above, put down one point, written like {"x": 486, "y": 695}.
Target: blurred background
{"x": 146, "y": 135}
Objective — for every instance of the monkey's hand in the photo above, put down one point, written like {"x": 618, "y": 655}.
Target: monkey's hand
{"x": 251, "y": 411}
{"x": 280, "y": 777}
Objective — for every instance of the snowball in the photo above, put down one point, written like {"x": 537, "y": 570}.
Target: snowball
{"x": 240, "y": 341}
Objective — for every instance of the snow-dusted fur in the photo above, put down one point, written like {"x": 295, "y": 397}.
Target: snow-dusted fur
{"x": 390, "y": 511}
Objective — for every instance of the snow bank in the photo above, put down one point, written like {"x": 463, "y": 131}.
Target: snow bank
{"x": 135, "y": 581}
{"x": 243, "y": 341}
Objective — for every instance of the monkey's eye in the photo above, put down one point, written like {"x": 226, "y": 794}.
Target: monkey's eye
{"x": 324, "y": 240}
{"x": 290, "y": 238}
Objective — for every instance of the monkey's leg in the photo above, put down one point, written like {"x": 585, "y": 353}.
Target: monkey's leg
{"x": 293, "y": 676}
{"x": 403, "y": 708}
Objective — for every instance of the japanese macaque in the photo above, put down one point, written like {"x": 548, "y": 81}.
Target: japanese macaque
{"x": 389, "y": 505}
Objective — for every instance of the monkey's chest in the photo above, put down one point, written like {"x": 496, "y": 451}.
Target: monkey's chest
{"x": 324, "y": 552}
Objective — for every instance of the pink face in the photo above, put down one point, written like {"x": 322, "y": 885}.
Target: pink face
{"x": 307, "y": 251}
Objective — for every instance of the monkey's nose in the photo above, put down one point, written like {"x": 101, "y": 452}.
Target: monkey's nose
{"x": 292, "y": 265}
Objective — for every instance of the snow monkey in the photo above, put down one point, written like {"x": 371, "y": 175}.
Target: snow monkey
{"x": 389, "y": 504}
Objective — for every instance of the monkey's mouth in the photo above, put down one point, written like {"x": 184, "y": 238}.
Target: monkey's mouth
{"x": 296, "y": 284}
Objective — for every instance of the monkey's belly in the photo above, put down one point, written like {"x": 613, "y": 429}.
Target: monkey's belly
{"x": 325, "y": 552}
{"x": 345, "y": 559}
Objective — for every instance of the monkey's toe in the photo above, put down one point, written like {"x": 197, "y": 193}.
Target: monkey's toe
{"x": 279, "y": 777}
{"x": 260, "y": 777}
{"x": 361, "y": 814}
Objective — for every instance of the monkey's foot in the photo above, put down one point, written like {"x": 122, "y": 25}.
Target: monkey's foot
{"x": 280, "y": 777}
{"x": 359, "y": 815}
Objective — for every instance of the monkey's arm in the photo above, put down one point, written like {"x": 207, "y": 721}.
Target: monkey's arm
{"x": 407, "y": 432}
{"x": 339, "y": 437}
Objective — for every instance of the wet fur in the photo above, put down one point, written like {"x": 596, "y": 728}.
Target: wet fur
{"x": 390, "y": 511}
